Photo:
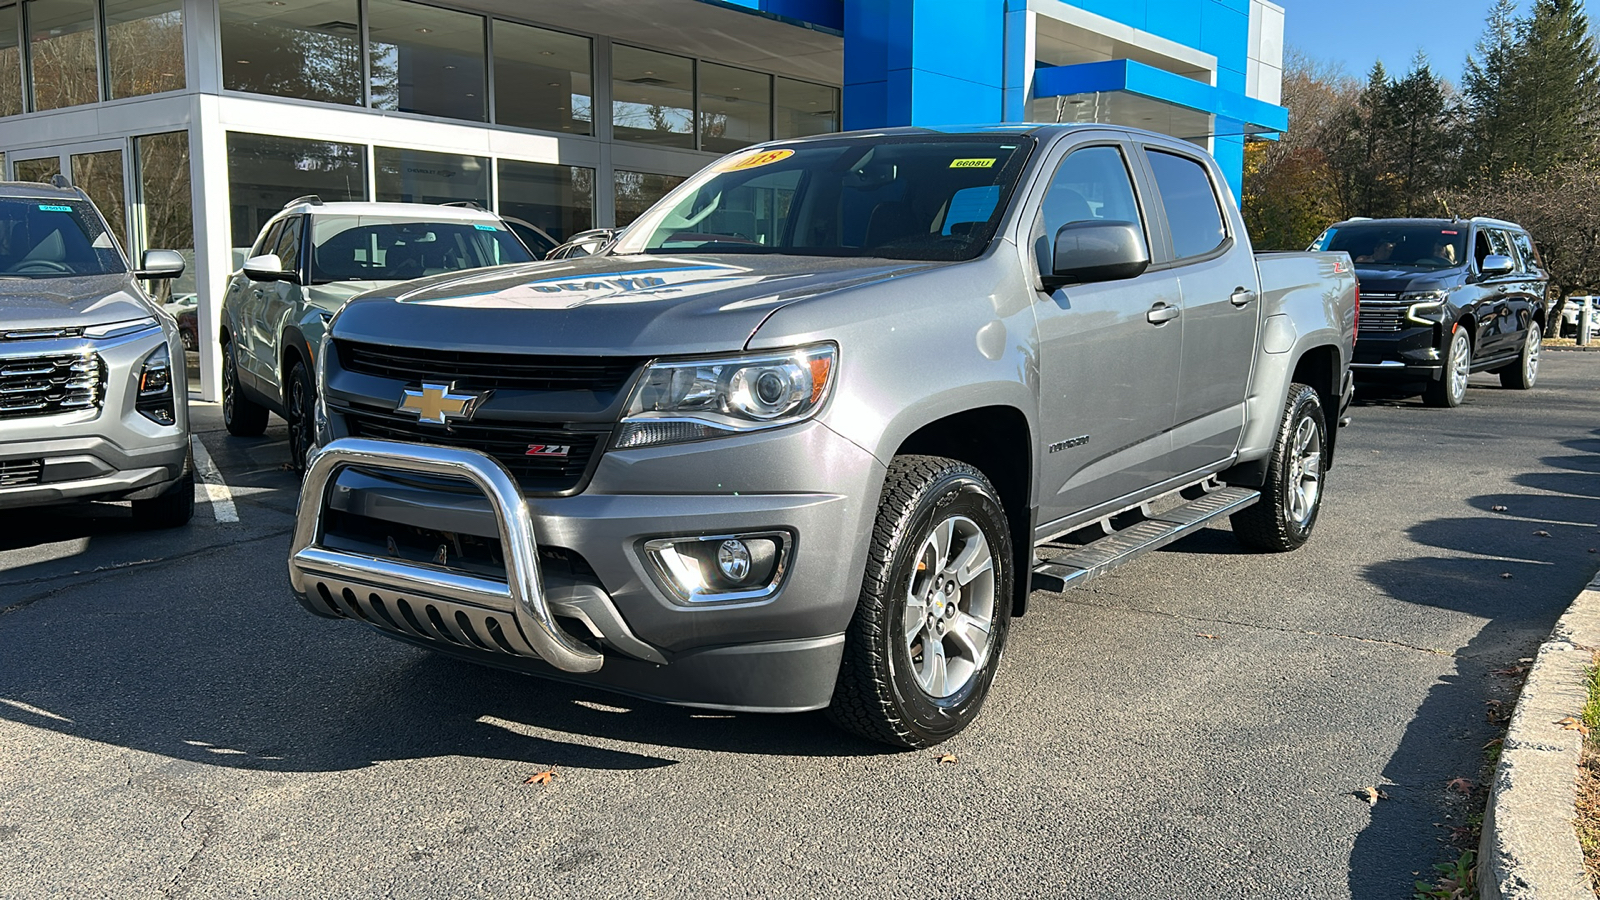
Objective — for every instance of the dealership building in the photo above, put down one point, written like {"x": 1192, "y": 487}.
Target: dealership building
{"x": 190, "y": 122}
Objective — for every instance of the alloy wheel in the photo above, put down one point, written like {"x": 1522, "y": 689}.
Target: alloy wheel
{"x": 949, "y": 607}
{"x": 1305, "y": 471}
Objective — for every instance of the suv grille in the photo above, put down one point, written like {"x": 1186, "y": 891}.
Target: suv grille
{"x": 1383, "y": 312}
{"x": 20, "y": 472}
{"x": 507, "y": 442}
{"x": 484, "y": 371}
{"x": 47, "y": 385}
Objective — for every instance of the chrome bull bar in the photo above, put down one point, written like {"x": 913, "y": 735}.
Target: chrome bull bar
{"x": 521, "y": 594}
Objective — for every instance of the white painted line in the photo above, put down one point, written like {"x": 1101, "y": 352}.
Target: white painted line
{"x": 211, "y": 486}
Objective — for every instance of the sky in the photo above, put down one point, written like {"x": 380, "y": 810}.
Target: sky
{"x": 1355, "y": 33}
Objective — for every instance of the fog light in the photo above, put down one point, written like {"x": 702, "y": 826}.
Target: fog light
{"x": 720, "y": 568}
{"x": 733, "y": 558}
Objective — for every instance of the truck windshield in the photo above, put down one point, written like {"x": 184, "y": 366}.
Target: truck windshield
{"x": 55, "y": 239}
{"x": 1378, "y": 245}
{"x": 386, "y": 248}
{"x": 934, "y": 197}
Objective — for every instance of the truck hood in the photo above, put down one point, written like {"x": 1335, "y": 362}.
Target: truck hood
{"x": 77, "y": 300}
{"x": 1395, "y": 280}
{"x": 605, "y": 305}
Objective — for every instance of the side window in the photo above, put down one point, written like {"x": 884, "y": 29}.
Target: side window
{"x": 1501, "y": 242}
{"x": 1525, "y": 249}
{"x": 1193, "y": 213}
{"x": 268, "y": 239}
{"x": 1090, "y": 184}
{"x": 1481, "y": 249}
{"x": 289, "y": 243}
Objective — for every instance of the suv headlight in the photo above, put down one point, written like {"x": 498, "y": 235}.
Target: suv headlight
{"x": 1427, "y": 307}
{"x": 695, "y": 399}
{"x": 155, "y": 400}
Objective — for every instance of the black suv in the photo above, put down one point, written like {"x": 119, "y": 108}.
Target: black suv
{"x": 1443, "y": 298}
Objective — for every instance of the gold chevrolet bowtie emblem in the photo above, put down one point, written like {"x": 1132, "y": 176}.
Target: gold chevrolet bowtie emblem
{"x": 439, "y": 403}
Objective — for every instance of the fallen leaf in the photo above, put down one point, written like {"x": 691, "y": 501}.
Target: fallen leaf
{"x": 1460, "y": 785}
{"x": 1571, "y": 723}
{"x": 1505, "y": 574}
{"x": 1494, "y": 742}
{"x": 1498, "y": 508}
{"x": 1204, "y": 635}
{"x": 545, "y": 777}
{"x": 1372, "y": 795}
{"x": 1541, "y": 533}
{"x": 948, "y": 758}
{"x": 1511, "y": 671}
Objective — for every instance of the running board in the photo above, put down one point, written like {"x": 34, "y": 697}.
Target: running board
{"x": 1079, "y": 564}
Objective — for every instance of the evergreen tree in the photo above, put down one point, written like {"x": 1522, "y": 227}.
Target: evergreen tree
{"x": 1485, "y": 87}
{"x": 1417, "y": 132}
{"x": 1553, "y": 79}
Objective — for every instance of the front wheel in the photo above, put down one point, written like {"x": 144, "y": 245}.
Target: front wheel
{"x": 300, "y": 399}
{"x": 1451, "y": 388}
{"x": 1524, "y": 372}
{"x": 1290, "y": 500}
{"x": 173, "y": 508}
{"x": 935, "y": 606}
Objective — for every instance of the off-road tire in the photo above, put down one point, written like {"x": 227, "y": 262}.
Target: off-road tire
{"x": 1521, "y": 375}
{"x": 1443, "y": 393}
{"x": 242, "y": 416}
{"x": 299, "y": 401}
{"x": 1270, "y": 524}
{"x": 174, "y": 508}
{"x": 877, "y": 695}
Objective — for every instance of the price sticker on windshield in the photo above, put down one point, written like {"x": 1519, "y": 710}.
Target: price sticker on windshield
{"x": 756, "y": 161}
{"x": 972, "y": 164}
{"x": 45, "y": 207}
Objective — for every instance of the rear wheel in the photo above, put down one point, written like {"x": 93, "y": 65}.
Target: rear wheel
{"x": 1525, "y": 371}
{"x": 243, "y": 417}
{"x": 1292, "y": 496}
{"x": 1451, "y": 388}
{"x": 935, "y": 606}
{"x": 300, "y": 399}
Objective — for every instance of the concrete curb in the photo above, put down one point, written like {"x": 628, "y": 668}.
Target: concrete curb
{"x": 1529, "y": 849}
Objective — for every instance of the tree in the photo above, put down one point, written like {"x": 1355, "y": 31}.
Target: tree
{"x": 1485, "y": 88}
{"x": 1289, "y": 196}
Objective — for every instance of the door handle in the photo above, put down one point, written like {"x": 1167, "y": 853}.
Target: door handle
{"x": 1161, "y": 313}
{"x": 257, "y": 294}
{"x": 1241, "y": 296}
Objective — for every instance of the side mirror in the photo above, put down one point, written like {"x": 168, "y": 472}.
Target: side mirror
{"x": 158, "y": 264}
{"x": 266, "y": 267}
{"x": 1097, "y": 251}
{"x": 1495, "y": 264}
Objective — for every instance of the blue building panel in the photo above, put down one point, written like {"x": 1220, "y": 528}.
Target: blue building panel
{"x": 824, "y": 15}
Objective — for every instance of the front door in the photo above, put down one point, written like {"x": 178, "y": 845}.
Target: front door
{"x": 1109, "y": 351}
{"x": 1221, "y": 312}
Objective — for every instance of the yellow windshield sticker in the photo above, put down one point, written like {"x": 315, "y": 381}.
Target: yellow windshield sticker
{"x": 764, "y": 158}
{"x": 972, "y": 164}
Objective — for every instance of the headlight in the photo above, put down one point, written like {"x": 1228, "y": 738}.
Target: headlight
{"x": 155, "y": 400}
{"x": 118, "y": 329}
{"x": 694, "y": 399}
{"x": 1427, "y": 307}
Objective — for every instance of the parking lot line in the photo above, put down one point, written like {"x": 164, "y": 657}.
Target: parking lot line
{"x": 216, "y": 490}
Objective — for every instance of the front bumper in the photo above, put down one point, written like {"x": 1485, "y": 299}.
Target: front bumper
{"x": 112, "y": 452}
{"x": 571, "y": 594}
{"x": 1411, "y": 354}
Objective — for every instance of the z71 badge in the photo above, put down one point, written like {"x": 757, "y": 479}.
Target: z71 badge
{"x": 552, "y": 450}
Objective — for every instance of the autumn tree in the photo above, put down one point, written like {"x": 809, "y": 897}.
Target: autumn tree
{"x": 1288, "y": 193}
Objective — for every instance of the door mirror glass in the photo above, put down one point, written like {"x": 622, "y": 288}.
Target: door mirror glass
{"x": 1496, "y": 264}
{"x": 266, "y": 267}
{"x": 156, "y": 264}
{"x": 1097, "y": 251}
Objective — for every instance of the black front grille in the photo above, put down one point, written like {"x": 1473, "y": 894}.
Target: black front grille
{"x": 486, "y": 371}
{"x": 20, "y": 472}
{"x": 508, "y": 442}
{"x": 46, "y": 385}
{"x": 1376, "y": 317}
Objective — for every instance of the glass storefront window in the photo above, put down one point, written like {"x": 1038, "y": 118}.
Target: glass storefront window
{"x": 545, "y": 204}
{"x": 638, "y": 191}
{"x": 265, "y": 172}
{"x": 10, "y": 62}
{"x": 144, "y": 46}
{"x": 168, "y": 224}
{"x": 310, "y": 49}
{"x": 100, "y": 176}
{"x": 61, "y": 52}
{"x": 735, "y": 108}
{"x": 652, "y": 97}
{"x": 418, "y": 176}
{"x": 542, "y": 79}
{"x": 427, "y": 60}
{"x": 805, "y": 109}
{"x": 38, "y": 169}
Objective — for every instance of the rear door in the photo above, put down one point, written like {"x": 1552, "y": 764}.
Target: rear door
{"x": 1221, "y": 312}
{"x": 1109, "y": 351}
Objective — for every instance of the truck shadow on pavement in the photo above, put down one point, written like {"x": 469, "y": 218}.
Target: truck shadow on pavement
{"x": 1517, "y": 567}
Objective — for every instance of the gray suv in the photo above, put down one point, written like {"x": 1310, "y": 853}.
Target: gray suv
{"x": 88, "y": 407}
{"x": 309, "y": 259}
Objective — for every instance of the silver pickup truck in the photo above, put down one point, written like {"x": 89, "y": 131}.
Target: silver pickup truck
{"x": 808, "y": 434}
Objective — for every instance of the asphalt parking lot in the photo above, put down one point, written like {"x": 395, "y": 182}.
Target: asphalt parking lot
{"x": 1194, "y": 725}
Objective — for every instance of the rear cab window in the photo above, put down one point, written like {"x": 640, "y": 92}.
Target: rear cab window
{"x": 1194, "y": 214}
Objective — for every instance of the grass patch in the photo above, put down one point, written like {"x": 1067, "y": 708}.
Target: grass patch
{"x": 1588, "y": 820}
